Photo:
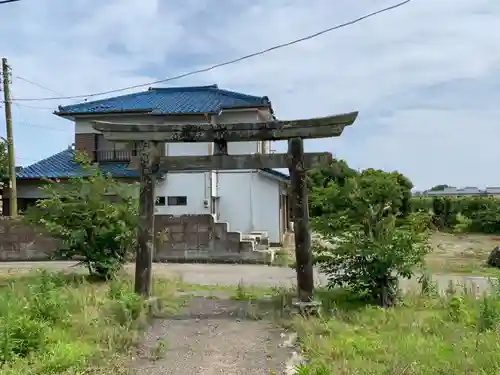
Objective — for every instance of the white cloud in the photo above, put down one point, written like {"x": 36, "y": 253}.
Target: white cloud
{"x": 401, "y": 69}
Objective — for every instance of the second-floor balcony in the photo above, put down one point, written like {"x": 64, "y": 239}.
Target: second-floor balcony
{"x": 114, "y": 155}
{"x": 118, "y": 155}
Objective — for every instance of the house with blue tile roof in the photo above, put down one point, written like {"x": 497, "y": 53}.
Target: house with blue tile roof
{"x": 248, "y": 200}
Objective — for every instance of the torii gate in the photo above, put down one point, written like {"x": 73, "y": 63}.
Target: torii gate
{"x": 297, "y": 162}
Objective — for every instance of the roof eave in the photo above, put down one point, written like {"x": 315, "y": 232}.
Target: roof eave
{"x": 246, "y": 106}
{"x": 275, "y": 174}
{"x": 67, "y": 114}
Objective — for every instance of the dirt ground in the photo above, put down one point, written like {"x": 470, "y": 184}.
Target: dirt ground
{"x": 214, "y": 336}
{"x": 462, "y": 254}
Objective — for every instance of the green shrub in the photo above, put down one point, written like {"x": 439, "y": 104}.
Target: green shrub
{"x": 92, "y": 227}
{"x": 368, "y": 252}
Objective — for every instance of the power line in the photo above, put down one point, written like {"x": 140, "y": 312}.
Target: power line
{"x": 23, "y": 118}
{"x": 8, "y": 1}
{"x": 36, "y": 107}
{"x": 262, "y": 52}
{"x": 39, "y": 85}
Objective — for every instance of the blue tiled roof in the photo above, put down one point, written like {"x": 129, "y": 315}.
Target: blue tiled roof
{"x": 196, "y": 99}
{"x": 62, "y": 165}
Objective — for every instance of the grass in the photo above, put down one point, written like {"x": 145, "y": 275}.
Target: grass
{"x": 461, "y": 254}
{"x": 58, "y": 323}
{"x": 455, "y": 333}
{"x": 427, "y": 333}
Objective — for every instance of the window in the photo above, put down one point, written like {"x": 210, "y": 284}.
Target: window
{"x": 177, "y": 201}
{"x": 160, "y": 201}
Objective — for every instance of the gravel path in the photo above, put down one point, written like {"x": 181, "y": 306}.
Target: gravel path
{"x": 227, "y": 274}
{"x": 213, "y": 336}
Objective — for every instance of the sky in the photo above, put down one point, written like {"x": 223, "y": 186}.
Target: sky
{"x": 424, "y": 77}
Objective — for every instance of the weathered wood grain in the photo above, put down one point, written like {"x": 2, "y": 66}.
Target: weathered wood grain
{"x": 145, "y": 236}
{"x": 230, "y": 162}
{"x": 300, "y": 207}
{"x": 323, "y": 127}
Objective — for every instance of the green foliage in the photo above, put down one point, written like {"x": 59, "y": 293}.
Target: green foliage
{"x": 369, "y": 248}
{"x": 480, "y": 214}
{"x": 338, "y": 171}
{"x": 319, "y": 178}
{"x": 439, "y": 187}
{"x": 58, "y": 323}
{"x": 342, "y": 204}
{"x": 99, "y": 230}
{"x": 4, "y": 162}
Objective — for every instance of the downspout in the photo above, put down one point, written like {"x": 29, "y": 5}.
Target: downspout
{"x": 252, "y": 226}
{"x": 213, "y": 121}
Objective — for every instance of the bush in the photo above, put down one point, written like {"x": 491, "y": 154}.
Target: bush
{"x": 55, "y": 323}
{"x": 370, "y": 252}
{"x": 91, "y": 226}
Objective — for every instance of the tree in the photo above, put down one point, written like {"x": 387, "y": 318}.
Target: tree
{"x": 368, "y": 251}
{"x": 439, "y": 187}
{"x": 338, "y": 171}
{"x": 318, "y": 178}
{"x": 335, "y": 199}
{"x": 79, "y": 212}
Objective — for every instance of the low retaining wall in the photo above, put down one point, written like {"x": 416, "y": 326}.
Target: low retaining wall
{"x": 198, "y": 238}
{"x": 191, "y": 238}
{"x": 22, "y": 242}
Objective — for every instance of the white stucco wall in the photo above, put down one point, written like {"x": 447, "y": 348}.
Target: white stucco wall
{"x": 195, "y": 186}
{"x": 249, "y": 201}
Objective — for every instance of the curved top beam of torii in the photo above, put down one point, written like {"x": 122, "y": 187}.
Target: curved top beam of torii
{"x": 321, "y": 127}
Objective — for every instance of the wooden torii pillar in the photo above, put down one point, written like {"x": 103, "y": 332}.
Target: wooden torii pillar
{"x": 295, "y": 160}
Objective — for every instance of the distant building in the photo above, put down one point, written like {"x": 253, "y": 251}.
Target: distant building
{"x": 466, "y": 191}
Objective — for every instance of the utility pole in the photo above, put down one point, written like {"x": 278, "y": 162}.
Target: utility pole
{"x": 10, "y": 138}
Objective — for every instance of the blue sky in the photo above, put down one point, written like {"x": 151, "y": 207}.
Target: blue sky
{"x": 425, "y": 77}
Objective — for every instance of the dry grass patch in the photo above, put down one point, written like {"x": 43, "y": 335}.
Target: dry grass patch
{"x": 461, "y": 254}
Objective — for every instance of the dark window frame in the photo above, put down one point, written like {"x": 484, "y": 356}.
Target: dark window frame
{"x": 177, "y": 201}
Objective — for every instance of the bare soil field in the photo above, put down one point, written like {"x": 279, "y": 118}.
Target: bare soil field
{"x": 462, "y": 254}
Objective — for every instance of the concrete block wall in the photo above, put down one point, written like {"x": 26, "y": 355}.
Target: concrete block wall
{"x": 22, "y": 242}
{"x": 198, "y": 238}
{"x": 191, "y": 238}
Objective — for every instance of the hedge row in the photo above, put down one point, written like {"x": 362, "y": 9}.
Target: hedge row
{"x": 475, "y": 214}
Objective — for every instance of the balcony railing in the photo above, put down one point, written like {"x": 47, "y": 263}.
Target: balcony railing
{"x": 114, "y": 155}
{"x": 119, "y": 155}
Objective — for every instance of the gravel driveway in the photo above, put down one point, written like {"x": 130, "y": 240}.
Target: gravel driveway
{"x": 228, "y": 274}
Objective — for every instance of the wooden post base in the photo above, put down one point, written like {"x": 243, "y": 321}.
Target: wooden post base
{"x": 153, "y": 307}
{"x": 311, "y": 308}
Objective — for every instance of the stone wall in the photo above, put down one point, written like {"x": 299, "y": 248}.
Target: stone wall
{"x": 198, "y": 238}
{"x": 21, "y": 242}
{"x": 190, "y": 238}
